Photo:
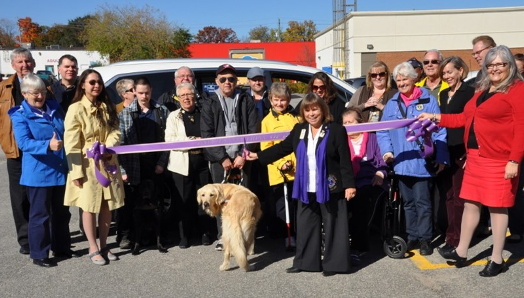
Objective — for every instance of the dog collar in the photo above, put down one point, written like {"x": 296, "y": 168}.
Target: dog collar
{"x": 225, "y": 202}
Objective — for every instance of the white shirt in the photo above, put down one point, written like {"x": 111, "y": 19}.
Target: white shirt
{"x": 312, "y": 160}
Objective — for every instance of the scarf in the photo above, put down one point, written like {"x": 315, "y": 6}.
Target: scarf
{"x": 301, "y": 174}
{"x": 416, "y": 94}
{"x": 356, "y": 158}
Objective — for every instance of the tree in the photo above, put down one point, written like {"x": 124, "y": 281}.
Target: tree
{"x": 7, "y": 33}
{"x": 129, "y": 33}
{"x": 261, "y": 33}
{"x": 70, "y": 35}
{"x": 296, "y": 31}
{"x": 211, "y": 34}
{"x": 28, "y": 30}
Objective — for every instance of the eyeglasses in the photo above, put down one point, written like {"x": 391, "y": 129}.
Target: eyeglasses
{"x": 37, "y": 93}
{"x": 380, "y": 74}
{"x": 93, "y": 82}
{"x": 184, "y": 76}
{"x": 128, "y": 90}
{"x": 321, "y": 88}
{"x": 478, "y": 52}
{"x": 230, "y": 79}
{"x": 496, "y": 65}
{"x": 187, "y": 95}
{"x": 426, "y": 62}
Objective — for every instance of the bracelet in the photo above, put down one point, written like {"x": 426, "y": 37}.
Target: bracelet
{"x": 513, "y": 161}
{"x": 434, "y": 119}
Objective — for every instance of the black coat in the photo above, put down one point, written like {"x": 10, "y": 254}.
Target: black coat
{"x": 338, "y": 156}
{"x": 456, "y": 106}
{"x": 213, "y": 123}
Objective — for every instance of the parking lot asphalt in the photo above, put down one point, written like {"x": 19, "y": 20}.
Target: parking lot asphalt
{"x": 194, "y": 272}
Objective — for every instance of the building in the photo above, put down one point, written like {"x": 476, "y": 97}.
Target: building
{"x": 396, "y": 36}
{"x": 301, "y": 53}
{"x": 48, "y": 59}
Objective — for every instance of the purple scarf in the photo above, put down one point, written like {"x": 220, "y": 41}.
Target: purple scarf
{"x": 301, "y": 174}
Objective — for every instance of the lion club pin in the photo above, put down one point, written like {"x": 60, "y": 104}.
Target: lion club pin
{"x": 332, "y": 182}
{"x": 419, "y": 107}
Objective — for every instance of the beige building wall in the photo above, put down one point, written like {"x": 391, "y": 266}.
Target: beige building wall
{"x": 399, "y": 35}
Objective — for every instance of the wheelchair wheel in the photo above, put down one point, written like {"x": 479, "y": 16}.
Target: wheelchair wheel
{"x": 395, "y": 247}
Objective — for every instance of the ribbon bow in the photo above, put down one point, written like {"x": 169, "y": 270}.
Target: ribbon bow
{"x": 96, "y": 152}
{"x": 422, "y": 129}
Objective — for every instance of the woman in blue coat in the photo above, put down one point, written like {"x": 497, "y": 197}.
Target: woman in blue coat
{"x": 39, "y": 129}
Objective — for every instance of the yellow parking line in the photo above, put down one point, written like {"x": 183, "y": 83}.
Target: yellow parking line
{"x": 424, "y": 264}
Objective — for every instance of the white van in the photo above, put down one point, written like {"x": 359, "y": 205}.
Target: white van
{"x": 161, "y": 74}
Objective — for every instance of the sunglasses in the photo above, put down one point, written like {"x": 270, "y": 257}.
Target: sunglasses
{"x": 230, "y": 79}
{"x": 93, "y": 82}
{"x": 380, "y": 74}
{"x": 426, "y": 62}
{"x": 321, "y": 88}
{"x": 128, "y": 90}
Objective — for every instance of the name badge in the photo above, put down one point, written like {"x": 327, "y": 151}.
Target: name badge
{"x": 302, "y": 133}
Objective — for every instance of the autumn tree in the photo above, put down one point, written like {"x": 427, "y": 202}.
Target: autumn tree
{"x": 211, "y": 34}
{"x": 7, "y": 33}
{"x": 296, "y": 31}
{"x": 130, "y": 33}
{"x": 70, "y": 35}
{"x": 261, "y": 33}
{"x": 28, "y": 30}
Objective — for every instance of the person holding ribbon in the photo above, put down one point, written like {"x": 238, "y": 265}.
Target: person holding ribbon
{"x": 38, "y": 128}
{"x": 494, "y": 138}
{"x": 323, "y": 183}
{"x": 372, "y": 97}
{"x": 369, "y": 170}
{"x": 91, "y": 123}
{"x": 412, "y": 160}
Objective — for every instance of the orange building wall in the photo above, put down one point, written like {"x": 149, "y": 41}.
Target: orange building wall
{"x": 302, "y": 53}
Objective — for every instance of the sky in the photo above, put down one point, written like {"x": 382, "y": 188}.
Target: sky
{"x": 240, "y": 15}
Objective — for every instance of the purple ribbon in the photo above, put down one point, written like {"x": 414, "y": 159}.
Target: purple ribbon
{"x": 422, "y": 129}
{"x": 246, "y": 139}
{"x": 96, "y": 152}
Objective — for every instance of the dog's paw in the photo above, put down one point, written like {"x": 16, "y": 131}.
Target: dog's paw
{"x": 251, "y": 252}
{"x": 224, "y": 267}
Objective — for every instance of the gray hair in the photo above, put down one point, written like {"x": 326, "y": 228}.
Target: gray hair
{"x": 404, "y": 69}
{"x": 32, "y": 82}
{"x": 506, "y": 56}
{"x": 185, "y": 86}
{"x": 185, "y": 67}
{"x": 21, "y": 52}
{"x": 440, "y": 56}
{"x": 121, "y": 85}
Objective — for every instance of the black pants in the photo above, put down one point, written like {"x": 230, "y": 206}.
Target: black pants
{"x": 187, "y": 212}
{"x": 276, "y": 211}
{"x": 360, "y": 209}
{"x": 516, "y": 213}
{"x": 124, "y": 219}
{"x": 19, "y": 200}
{"x": 310, "y": 218}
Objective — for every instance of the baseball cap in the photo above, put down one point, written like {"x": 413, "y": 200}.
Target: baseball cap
{"x": 223, "y": 67}
{"x": 415, "y": 63}
{"x": 255, "y": 72}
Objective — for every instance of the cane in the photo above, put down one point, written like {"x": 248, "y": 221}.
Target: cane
{"x": 287, "y": 212}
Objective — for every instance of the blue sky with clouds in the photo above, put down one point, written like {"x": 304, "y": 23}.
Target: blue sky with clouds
{"x": 239, "y": 15}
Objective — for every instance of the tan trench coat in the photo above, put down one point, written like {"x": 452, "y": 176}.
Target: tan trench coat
{"x": 82, "y": 129}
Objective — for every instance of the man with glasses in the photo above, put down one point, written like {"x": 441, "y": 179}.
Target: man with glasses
{"x": 481, "y": 46}
{"x": 227, "y": 112}
{"x": 432, "y": 81}
{"x": 64, "y": 89}
{"x": 183, "y": 74}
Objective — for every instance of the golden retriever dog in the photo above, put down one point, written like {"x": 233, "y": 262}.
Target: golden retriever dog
{"x": 240, "y": 210}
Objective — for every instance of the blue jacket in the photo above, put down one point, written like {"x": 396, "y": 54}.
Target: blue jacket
{"x": 408, "y": 161}
{"x": 41, "y": 167}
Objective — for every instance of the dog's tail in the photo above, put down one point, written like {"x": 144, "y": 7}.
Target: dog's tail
{"x": 238, "y": 246}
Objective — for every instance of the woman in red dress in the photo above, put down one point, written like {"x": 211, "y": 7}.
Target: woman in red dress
{"x": 494, "y": 138}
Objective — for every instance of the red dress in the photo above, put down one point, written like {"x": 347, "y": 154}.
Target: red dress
{"x": 499, "y": 129}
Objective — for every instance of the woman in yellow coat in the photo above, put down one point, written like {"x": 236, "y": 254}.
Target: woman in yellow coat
{"x": 90, "y": 118}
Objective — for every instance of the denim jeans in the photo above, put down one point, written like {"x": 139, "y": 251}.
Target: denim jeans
{"x": 416, "y": 196}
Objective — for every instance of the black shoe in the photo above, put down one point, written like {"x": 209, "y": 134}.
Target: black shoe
{"x": 412, "y": 244}
{"x": 452, "y": 255}
{"x": 125, "y": 243}
{"x": 514, "y": 238}
{"x": 66, "y": 254}
{"x": 445, "y": 250}
{"x": 328, "y": 273}
{"x": 425, "y": 248}
{"x": 293, "y": 270}
{"x": 219, "y": 246}
{"x": 493, "y": 269}
{"x": 183, "y": 243}
{"x": 24, "y": 250}
{"x": 45, "y": 262}
{"x": 206, "y": 239}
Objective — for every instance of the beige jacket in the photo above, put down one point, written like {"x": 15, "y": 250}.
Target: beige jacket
{"x": 175, "y": 131}
{"x": 7, "y": 101}
{"x": 82, "y": 129}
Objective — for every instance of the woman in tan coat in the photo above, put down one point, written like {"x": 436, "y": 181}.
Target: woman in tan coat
{"x": 92, "y": 117}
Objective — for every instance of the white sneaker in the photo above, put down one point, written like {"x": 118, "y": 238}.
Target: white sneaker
{"x": 220, "y": 245}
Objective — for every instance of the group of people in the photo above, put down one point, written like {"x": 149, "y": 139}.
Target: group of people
{"x": 54, "y": 138}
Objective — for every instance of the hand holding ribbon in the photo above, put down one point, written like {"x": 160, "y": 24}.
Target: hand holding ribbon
{"x": 422, "y": 128}
{"x": 99, "y": 153}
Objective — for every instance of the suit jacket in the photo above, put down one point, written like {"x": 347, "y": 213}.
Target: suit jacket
{"x": 338, "y": 157}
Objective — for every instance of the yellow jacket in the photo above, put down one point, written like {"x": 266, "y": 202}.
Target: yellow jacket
{"x": 443, "y": 86}
{"x": 274, "y": 122}
{"x": 82, "y": 129}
